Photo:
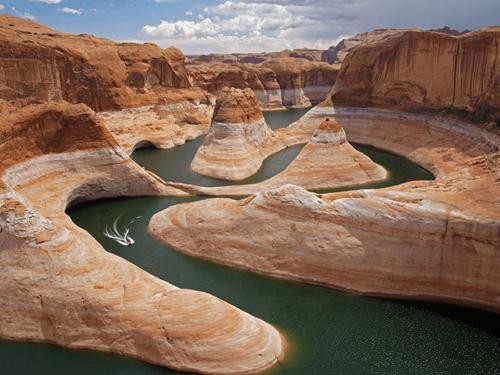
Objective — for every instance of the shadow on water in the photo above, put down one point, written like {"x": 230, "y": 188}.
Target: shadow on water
{"x": 330, "y": 332}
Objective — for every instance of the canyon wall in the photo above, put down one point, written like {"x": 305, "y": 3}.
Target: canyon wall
{"x": 278, "y": 82}
{"x": 58, "y": 285}
{"x": 38, "y": 64}
{"x": 436, "y": 240}
{"x": 214, "y": 77}
{"x": 425, "y": 70}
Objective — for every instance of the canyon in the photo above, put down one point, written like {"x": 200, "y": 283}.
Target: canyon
{"x": 278, "y": 82}
{"x": 462, "y": 201}
{"x": 73, "y": 108}
{"x": 433, "y": 240}
{"x": 60, "y": 286}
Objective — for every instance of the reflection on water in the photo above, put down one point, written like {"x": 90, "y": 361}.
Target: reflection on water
{"x": 330, "y": 332}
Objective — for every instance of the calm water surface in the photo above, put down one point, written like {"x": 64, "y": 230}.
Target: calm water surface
{"x": 330, "y": 332}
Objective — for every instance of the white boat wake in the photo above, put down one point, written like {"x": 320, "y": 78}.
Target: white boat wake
{"x": 122, "y": 238}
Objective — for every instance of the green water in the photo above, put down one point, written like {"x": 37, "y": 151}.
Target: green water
{"x": 330, "y": 332}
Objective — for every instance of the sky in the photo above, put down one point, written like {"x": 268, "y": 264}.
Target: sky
{"x": 220, "y": 26}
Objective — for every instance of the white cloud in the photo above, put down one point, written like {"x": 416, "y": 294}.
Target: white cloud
{"x": 70, "y": 10}
{"x": 264, "y": 25}
{"x": 189, "y": 13}
{"x": 241, "y": 26}
{"x": 2, "y": 6}
{"x": 25, "y": 15}
{"x": 46, "y": 1}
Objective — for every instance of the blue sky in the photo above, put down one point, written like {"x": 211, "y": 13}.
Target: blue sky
{"x": 249, "y": 25}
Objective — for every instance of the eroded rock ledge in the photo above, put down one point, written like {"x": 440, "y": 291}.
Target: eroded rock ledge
{"x": 434, "y": 240}
{"x": 59, "y": 285}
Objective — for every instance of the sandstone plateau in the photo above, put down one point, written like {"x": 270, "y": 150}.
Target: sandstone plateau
{"x": 38, "y": 64}
{"x": 277, "y": 82}
{"x": 256, "y": 58}
{"x": 58, "y": 285}
{"x": 424, "y": 70}
{"x": 235, "y": 145}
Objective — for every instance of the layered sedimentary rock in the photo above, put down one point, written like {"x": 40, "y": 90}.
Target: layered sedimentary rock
{"x": 337, "y": 54}
{"x": 216, "y": 76}
{"x": 59, "y": 285}
{"x": 164, "y": 125}
{"x": 302, "y": 82}
{"x": 236, "y": 143}
{"x": 278, "y": 82}
{"x": 422, "y": 69}
{"x": 435, "y": 240}
{"x": 38, "y": 64}
{"x": 327, "y": 161}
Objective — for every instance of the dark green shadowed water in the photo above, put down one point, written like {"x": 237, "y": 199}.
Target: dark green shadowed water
{"x": 175, "y": 164}
{"x": 330, "y": 332}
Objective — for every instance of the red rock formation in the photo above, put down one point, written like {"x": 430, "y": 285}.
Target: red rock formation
{"x": 448, "y": 30}
{"x": 257, "y": 58}
{"x": 422, "y": 69}
{"x": 38, "y": 64}
{"x": 235, "y": 145}
{"x": 214, "y": 77}
{"x": 302, "y": 82}
{"x": 337, "y": 54}
{"x": 279, "y": 81}
{"x": 58, "y": 285}
{"x": 437, "y": 240}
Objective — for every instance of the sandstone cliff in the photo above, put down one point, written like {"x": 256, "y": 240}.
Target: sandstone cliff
{"x": 58, "y": 285}
{"x": 434, "y": 240}
{"x": 277, "y": 82}
{"x": 38, "y": 64}
{"x": 302, "y": 82}
{"x": 337, "y": 54}
{"x": 235, "y": 145}
{"x": 422, "y": 69}
{"x": 216, "y": 76}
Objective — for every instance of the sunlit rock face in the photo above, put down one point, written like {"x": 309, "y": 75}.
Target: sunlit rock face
{"x": 434, "y": 240}
{"x": 235, "y": 145}
{"x": 327, "y": 161}
{"x": 277, "y": 82}
{"x": 425, "y": 70}
{"x": 216, "y": 76}
{"x": 58, "y": 284}
{"x": 38, "y": 64}
{"x": 337, "y": 54}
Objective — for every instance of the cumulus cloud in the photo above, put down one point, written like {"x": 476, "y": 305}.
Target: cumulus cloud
{"x": 2, "y": 6}
{"x": 264, "y": 25}
{"x": 46, "y": 1}
{"x": 70, "y": 10}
